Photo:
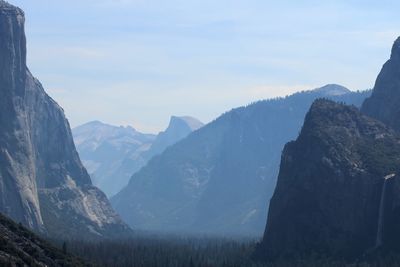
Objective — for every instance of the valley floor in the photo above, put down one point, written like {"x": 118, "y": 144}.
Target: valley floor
{"x": 206, "y": 252}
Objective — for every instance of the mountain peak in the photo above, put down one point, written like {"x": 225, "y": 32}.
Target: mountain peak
{"x": 7, "y": 9}
{"x": 190, "y": 122}
{"x": 96, "y": 124}
{"x": 12, "y": 48}
{"x": 384, "y": 101}
{"x": 396, "y": 50}
{"x": 6, "y": 5}
{"x": 323, "y": 105}
{"x": 332, "y": 90}
{"x": 325, "y": 112}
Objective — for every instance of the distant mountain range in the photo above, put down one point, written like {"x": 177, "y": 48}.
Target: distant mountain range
{"x": 338, "y": 186}
{"x": 219, "y": 179}
{"x": 113, "y": 154}
{"x": 43, "y": 184}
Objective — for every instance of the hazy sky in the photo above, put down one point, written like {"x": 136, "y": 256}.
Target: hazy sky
{"x": 137, "y": 62}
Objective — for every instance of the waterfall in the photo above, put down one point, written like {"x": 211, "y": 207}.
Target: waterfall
{"x": 379, "y": 234}
{"x": 381, "y": 218}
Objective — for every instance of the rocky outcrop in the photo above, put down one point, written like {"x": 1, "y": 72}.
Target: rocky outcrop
{"x": 219, "y": 179}
{"x": 328, "y": 200}
{"x": 384, "y": 101}
{"x": 42, "y": 181}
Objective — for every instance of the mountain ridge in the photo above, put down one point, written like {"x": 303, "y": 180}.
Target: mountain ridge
{"x": 230, "y": 162}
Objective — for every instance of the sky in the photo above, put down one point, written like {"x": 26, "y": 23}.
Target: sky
{"x": 137, "y": 62}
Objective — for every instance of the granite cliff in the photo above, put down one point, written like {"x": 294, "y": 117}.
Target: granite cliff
{"x": 43, "y": 184}
{"x": 338, "y": 184}
{"x": 384, "y": 101}
{"x": 328, "y": 197}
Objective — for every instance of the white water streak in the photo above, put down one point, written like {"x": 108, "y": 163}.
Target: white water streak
{"x": 381, "y": 218}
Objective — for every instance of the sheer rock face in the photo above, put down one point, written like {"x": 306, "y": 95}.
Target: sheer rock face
{"x": 329, "y": 187}
{"x": 17, "y": 184}
{"x": 42, "y": 181}
{"x": 384, "y": 101}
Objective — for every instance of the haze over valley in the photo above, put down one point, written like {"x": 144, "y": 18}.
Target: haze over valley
{"x": 307, "y": 176}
